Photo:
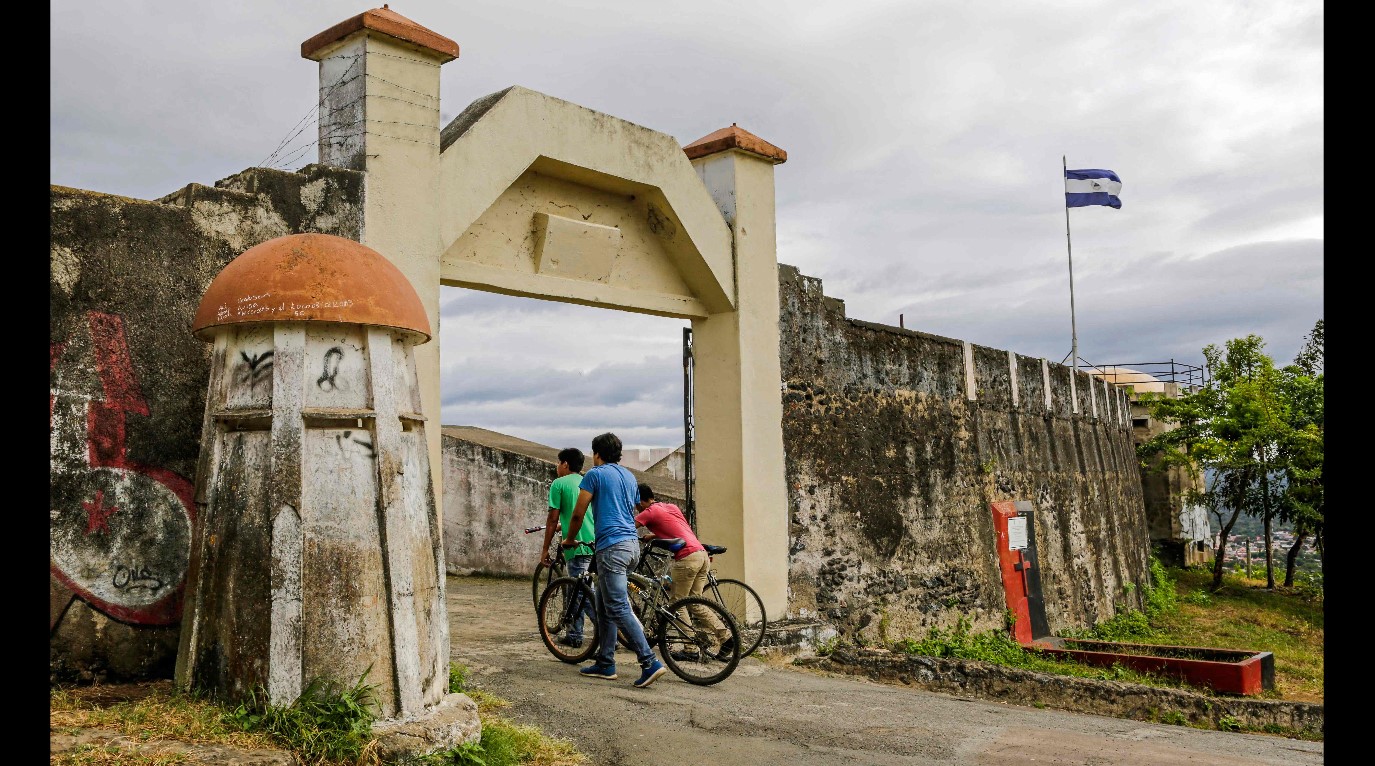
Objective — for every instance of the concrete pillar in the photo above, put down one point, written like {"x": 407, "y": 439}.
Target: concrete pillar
{"x": 379, "y": 112}
{"x": 740, "y": 490}
{"x": 318, "y": 553}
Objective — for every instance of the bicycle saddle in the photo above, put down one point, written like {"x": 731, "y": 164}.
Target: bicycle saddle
{"x": 668, "y": 543}
{"x": 712, "y": 550}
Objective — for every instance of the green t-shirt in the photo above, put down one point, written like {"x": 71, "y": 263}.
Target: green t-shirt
{"x": 563, "y": 495}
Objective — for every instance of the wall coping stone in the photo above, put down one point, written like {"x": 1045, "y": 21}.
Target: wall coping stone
{"x": 989, "y": 681}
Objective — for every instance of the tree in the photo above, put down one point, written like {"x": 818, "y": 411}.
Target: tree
{"x": 1303, "y": 451}
{"x": 1233, "y": 428}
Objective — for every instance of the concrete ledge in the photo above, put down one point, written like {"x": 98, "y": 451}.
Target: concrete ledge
{"x": 983, "y": 680}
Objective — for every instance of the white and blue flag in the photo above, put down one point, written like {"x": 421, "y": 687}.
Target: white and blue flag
{"x": 1092, "y": 187}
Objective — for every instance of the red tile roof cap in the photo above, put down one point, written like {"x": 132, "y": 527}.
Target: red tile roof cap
{"x": 387, "y": 22}
{"x": 734, "y": 137}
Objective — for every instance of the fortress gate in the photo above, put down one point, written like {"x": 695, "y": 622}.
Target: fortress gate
{"x": 524, "y": 194}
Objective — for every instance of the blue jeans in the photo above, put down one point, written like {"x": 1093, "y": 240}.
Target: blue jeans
{"x": 613, "y": 604}
{"x": 577, "y": 567}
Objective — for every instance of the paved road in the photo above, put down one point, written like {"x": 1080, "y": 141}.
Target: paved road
{"x": 771, "y": 713}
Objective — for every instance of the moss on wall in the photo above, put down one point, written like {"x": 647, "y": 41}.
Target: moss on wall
{"x": 892, "y": 467}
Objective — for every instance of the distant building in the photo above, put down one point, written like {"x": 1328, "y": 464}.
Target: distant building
{"x": 672, "y": 465}
{"x": 1181, "y": 530}
{"x": 641, "y": 458}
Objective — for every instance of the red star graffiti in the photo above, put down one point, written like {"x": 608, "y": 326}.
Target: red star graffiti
{"x": 97, "y": 514}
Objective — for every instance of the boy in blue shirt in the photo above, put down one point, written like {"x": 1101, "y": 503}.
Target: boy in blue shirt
{"x": 612, "y": 492}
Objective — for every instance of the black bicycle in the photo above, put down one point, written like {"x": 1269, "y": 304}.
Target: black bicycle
{"x": 739, "y": 600}
{"x": 681, "y": 628}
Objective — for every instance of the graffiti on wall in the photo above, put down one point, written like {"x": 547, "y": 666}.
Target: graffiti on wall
{"x": 120, "y": 531}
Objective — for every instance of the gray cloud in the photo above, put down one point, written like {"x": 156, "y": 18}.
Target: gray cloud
{"x": 924, "y": 146}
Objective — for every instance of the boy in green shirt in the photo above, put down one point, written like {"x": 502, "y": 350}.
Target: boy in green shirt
{"x": 563, "y": 496}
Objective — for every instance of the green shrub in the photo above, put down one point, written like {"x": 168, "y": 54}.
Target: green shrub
{"x": 989, "y": 646}
{"x": 1159, "y": 599}
{"x": 1174, "y": 718}
{"x": 458, "y": 677}
{"x": 1308, "y": 585}
{"x": 1228, "y": 723}
{"x": 1160, "y": 595}
{"x": 1124, "y": 626}
{"x": 1199, "y": 597}
{"x": 326, "y": 723}
{"x": 826, "y": 646}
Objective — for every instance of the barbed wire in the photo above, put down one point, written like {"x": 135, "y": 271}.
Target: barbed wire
{"x": 287, "y": 152}
{"x": 312, "y": 115}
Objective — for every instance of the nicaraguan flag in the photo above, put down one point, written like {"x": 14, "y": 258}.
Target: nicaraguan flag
{"x": 1092, "y": 187}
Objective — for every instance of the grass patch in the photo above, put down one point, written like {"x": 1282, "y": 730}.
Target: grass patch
{"x": 113, "y": 755}
{"x": 151, "y": 711}
{"x": 327, "y": 726}
{"x": 1180, "y": 609}
{"x": 1243, "y": 615}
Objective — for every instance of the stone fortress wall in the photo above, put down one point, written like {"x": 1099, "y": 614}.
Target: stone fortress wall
{"x": 896, "y": 443}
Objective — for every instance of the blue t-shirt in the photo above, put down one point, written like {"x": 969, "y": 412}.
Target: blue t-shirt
{"x": 614, "y": 494}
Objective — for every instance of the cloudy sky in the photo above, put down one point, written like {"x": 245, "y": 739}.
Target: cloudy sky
{"x": 924, "y": 173}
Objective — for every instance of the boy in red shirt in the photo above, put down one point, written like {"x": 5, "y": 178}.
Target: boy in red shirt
{"x": 690, "y": 562}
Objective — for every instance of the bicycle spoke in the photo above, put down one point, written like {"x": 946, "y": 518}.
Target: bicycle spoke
{"x": 690, "y": 645}
{"x": 745, "y": 607}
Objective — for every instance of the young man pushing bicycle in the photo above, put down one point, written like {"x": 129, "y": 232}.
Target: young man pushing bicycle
{"x": 690, "y": 564}
{"x": 612, "y": 492}
{"x": 563, "y": 498}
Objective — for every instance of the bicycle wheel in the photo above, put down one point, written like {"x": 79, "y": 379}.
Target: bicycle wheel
{"x": 642, "y": 598}
{"x": 691, "y": 653}
{"x": 545, "y": 574}
{"x": 745, "y": 607}
{"x": 560, "y": 604}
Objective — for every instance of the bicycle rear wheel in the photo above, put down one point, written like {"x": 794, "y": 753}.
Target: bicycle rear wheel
{"x": 559, "y": 607}
{"x": 746, "y": 608}
{"x": 691, "y": 653}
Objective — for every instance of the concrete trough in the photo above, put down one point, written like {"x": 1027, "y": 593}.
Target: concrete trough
{"x": 1230, "y": 671}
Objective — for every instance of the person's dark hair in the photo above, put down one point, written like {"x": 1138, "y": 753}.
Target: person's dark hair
{"x": 646, "y": 493}
{"x": 573, "y": 457}
{"x": 608, "y": 447}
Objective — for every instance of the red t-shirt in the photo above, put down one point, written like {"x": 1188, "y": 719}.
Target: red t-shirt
{"x": 664, "y": 520}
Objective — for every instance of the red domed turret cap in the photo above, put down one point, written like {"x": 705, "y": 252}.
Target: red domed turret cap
{"x": 311, "y": 278}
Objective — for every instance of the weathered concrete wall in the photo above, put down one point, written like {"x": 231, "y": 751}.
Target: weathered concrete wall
{"x": 128, "y": 384}
{"x": 897, "y": 443}
{"x": 495, "y": 486}
{"x": 1175, "y": 526}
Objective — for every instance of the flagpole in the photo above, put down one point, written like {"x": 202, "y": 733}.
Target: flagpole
{"x": 1073, "y": 333}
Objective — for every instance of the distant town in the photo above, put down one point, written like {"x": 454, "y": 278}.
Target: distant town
{"x": 1282, "y": 539}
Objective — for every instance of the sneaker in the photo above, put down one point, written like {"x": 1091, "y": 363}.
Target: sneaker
{"x": 569, "y": 641}
{"x": 649, "y": 674}
{"x": 604, "y": 672}
{"x": 683, "y": 656}
{"x": 727, "y": 648}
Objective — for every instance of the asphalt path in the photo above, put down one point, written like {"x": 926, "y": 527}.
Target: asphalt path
{"x": 770, "y": 712}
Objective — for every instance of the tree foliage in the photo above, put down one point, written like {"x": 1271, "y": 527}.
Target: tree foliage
{"x": 1256, "y": 430}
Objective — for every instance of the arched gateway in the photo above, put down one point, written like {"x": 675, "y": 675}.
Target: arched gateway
{"x": 525, "y": 194}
